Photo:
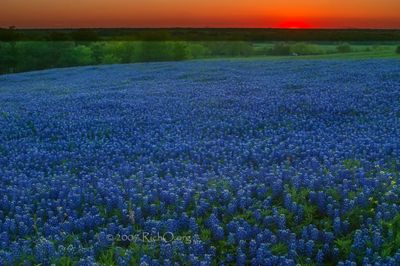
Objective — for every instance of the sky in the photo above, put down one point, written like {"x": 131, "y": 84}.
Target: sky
{"x": 200, "y": 13}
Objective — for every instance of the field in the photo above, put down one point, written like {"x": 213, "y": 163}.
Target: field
{"x": 215, "y": 162}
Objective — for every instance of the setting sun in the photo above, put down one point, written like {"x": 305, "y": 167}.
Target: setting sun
{"x": 294, "y": 24}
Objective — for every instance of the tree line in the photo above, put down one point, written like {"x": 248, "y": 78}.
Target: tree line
{"x": 35, "y": 55}
{"x": 20, "y": 56}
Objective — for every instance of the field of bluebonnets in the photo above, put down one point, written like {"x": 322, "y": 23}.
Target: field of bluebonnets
{"x": 202, "y": 163}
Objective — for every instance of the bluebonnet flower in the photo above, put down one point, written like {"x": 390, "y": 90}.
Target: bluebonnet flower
{"x": 309, "y": 248}
{"x": 193, "y": 225}
{"x": 377, "y": 240}
{"x": 218, "y": 232}
{"x": 166, "y": 250}
{"x": 44, "y": 251}
{"x": 282, "y": 221}
{"x": 359, "y": 241}
{"x": 199, "y": 156}
{"x": 337, "y": 225}
{"x": 320, "y": 257}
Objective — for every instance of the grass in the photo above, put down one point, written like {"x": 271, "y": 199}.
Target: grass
{"x": 352, "y": 56}
{"x": 359, "y": 52}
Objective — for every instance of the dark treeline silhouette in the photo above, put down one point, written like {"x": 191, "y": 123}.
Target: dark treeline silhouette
{"x": 183, "y": 34}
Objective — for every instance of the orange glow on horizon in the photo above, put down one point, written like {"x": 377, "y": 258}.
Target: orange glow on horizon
{"x": 195, "y": 13}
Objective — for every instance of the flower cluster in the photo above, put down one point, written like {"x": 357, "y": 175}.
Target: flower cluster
{"x": 259, "y": 162}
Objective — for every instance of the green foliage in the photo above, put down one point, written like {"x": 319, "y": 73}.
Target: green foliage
{"x": 107, "y": 257}
{"x": 280, "y": 49}
{"x": 305, "y": 49}
{"x": 110, "y": 59}
{"x": 33, "y": 55}
{"x": 334, "y": 193}
{"x": 63, "y": 50}
{"x": 38, "y": 55}
{"x": 344, "y": 48}
{"x": 229, "y": 48}
{"x": 398, "y": 49}
{"x": 178, "y": 51}
{"x": 351, "y": 164}
{"x": 297, "y": 48}
{"x": 65, "y": 261}
{"x": 205, "y": 234}
{"x": 310, "y": 213}
{"x": 8, "y": 58}
{"x": 79, "y": 55}
{"x": 391, "y": 244}
{"x": 197, "y": 50}
{"x": 97, "y": 51}
{"x": 299, "y": 195}
{"x": 161, "y": 51}
{"x": 344, "y": 245}
{"x": 118, "y": 52}
{"x": 31, "y": 125}
{"x": 279, "y": 249}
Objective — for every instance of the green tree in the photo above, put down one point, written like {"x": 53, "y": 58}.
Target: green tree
{"x": 120, "y": 52}
{"x": 77, "y": 56}
{"x": 178, "y": 51}
{"x": 97, "y": 51}
{"x": 32, "y": 55}
{"x": 84, "y": 35}
{"x": 153, "y": 51}
{"x": 280, "y": 49}
{"x": 344, "y": 48}
{"x": 197, "y": 50}
{"x": 8, "y": 57}
{"x": 229, "y": 48}
{"x": 301, "y": 48}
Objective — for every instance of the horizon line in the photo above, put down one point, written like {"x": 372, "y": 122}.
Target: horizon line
{"x": 195, "y": 28}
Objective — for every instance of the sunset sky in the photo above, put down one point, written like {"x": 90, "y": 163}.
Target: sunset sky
{"x": 200, "y": 13}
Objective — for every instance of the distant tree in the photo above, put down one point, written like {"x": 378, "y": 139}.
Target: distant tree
{"x": 118, "y": 52}
{"x": 58, "y": 36}
{"x": 128, "y": 51}
{"x": 216, "y": 48}
{"x": 9, "y": 35}
{"x": 196, "y": 50}
{"x": 398, "y": 49}
{"x": 76, "y": 56}
{"x": 229, "y": 48}
{"x": 97, "y": 51}
{"x": 305, "y": 49}
{"x": 84, "y": 35}
{"x": 281, "y": 49}
{"x": 32, "y": 55}
{"x": 110, "y": 59}
{"x": 154, "y": 51}
{"x": 178, "y": 51}
{"x": 8, "y": 58}
{"x": 241, "y": 48}
{"x": 344, "y": 48}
